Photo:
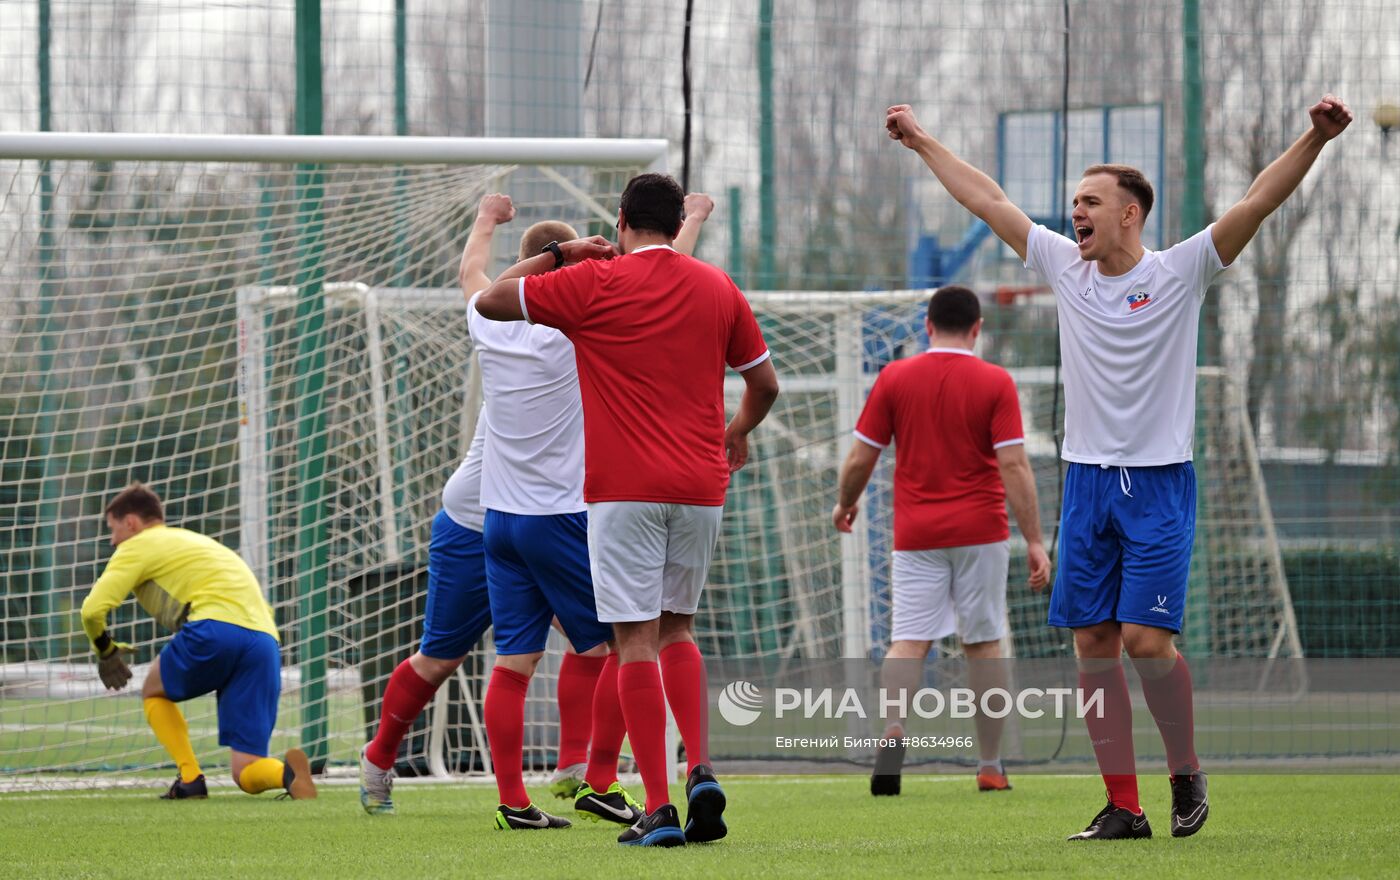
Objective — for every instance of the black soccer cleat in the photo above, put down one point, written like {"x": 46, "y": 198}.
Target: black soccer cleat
{"x": 532, "y": 818}
{"x": 704, "y": 810}
{"x": 613, "y": 805}
{"x": 180, "y": 790}
{"x": 1116, "y": 823}
{"x": 889, "y": 760}
{"x": 661, "y": 828}
{"x": 1190, "y": 806}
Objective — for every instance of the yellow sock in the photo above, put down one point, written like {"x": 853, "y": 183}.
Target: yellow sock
{"x": 170, "y": 728}
{"x": 261, "y": 775}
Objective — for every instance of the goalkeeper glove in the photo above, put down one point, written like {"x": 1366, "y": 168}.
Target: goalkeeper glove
{"x": 111, "y": 662}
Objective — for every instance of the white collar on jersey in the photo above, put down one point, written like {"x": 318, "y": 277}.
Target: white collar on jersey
{"x": 948, "y": 351}
{"x": 651, "y": 247}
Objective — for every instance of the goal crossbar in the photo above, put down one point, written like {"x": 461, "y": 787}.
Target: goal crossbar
{"x": 331, "y": 149}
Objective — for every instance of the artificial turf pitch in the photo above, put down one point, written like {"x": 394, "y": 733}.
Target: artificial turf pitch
{"x": 1260, "y": 826}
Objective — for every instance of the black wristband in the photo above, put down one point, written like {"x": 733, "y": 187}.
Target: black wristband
{"x": 102, "y": 643}
{"x": 553, "y": 248}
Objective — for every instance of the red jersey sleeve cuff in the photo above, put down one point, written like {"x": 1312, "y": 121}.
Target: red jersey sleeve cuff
{"x": 755, "y": 362}
{"x": 868, "y": 442}
{"x": 524, "y": 312}
{"x": 1019, "y": 441}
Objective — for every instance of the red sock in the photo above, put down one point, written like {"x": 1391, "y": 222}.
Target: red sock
{"x": 608, "y": 729}
{"x": 1169, "y": 700}
{"x": 1112, "y": 735}
{"x": 578, "y": 676}
{"x": 403, "y": 700}
{"x": 688, "y": 692}
{"x": 505, "y": 731}
{"x": 644, "y": 707}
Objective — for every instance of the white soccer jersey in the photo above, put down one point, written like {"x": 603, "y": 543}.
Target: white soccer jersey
{"x": 461, "y": 497}
{"x": 533, "y": 464}
{"x": 1128, "y": 344}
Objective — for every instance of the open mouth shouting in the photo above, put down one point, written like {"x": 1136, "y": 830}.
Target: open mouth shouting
{"x": 1085, "y": 234}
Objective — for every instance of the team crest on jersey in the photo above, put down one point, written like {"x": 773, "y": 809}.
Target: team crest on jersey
{"x": 1138, "y": 300}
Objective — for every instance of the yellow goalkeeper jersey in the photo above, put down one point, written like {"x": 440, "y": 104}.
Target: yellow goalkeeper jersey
{"x": 178, "y": 575}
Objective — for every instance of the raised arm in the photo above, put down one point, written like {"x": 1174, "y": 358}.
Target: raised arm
{"x": 1237, "y": 226}
{"x": 698, "y": 208}
{"x": 1019, "y": 480}
{"x": 493, "y": 210}
{"x": 850, "y": 485}
{"x": 973, "y": 189}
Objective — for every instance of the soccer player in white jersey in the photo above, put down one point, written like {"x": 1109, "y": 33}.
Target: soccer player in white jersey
{"x": 536, "y": 528}
{"x": 458, "y": 610}
{"x": 1128, "y": 332}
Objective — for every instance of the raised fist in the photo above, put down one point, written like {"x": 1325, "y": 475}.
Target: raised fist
{"x": 699, "y": 206}
{"x": 1330, "y": 116}
{"x": 496, "y": 207}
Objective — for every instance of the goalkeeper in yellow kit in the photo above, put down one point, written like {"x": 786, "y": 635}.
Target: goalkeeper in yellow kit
{"x": 225, "y": 641}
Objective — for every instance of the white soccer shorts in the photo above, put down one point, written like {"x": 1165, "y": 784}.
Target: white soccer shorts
{"x": 952, "y": 589}
{"x": 648, "y": 557}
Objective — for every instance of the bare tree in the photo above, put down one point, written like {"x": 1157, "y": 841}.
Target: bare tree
{"x": 1266, "y": 83}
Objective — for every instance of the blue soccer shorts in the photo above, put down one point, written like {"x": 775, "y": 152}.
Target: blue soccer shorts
{"x": 458, "y": 610}
{"x": 242, "y": 665}
{"x": 1125, "y": 545}
{"x": 537, "y": 569}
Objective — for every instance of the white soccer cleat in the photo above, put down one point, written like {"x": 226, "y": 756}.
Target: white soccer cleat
{"x": 376, "y": 787}
{"x": 567, "y": 781}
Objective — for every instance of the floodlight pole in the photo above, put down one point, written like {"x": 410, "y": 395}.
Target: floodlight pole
{"x": 313, "y": 552}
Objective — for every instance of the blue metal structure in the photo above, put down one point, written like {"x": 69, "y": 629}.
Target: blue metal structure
{"x": 1027, "y": 148}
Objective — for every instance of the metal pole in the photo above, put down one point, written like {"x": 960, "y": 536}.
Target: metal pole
{"x": 400, "y": 130}
{"x": 1193, "y": 219}
{"x": 1193, "y": 206}
{"x": 312, "y": 532}
{"x": 736, "y": 237}
{"x": 768, "y": 212}
{"x": 51, "y": 484}
{"x": 400, "y": 68}
{"x": 1193, "y": 148}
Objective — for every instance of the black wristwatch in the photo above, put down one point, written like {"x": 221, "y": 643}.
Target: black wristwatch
{"x": 553, "y": 248}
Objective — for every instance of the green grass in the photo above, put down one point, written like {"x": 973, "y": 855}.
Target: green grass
{"x": 1274, "y": 826}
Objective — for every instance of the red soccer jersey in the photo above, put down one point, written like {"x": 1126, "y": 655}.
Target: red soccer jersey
{"x": 948, "y": 412}
{"x": 652, "y": 333}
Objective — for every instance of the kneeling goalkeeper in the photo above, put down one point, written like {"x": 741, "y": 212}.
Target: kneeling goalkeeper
{"x": 225, "y": 641}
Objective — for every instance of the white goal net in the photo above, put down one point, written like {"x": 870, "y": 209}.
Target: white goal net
{"x": 200, "y": 314}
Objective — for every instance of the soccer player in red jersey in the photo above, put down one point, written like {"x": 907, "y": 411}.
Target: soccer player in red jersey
{"x": 653, "y": 331}
{"x": 959, "y": 455}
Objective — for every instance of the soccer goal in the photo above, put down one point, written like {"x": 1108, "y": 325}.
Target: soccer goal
{"x": 267, "y": 330}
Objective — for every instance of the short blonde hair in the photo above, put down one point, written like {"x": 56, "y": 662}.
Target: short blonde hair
{"x": 541, "y": 234}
